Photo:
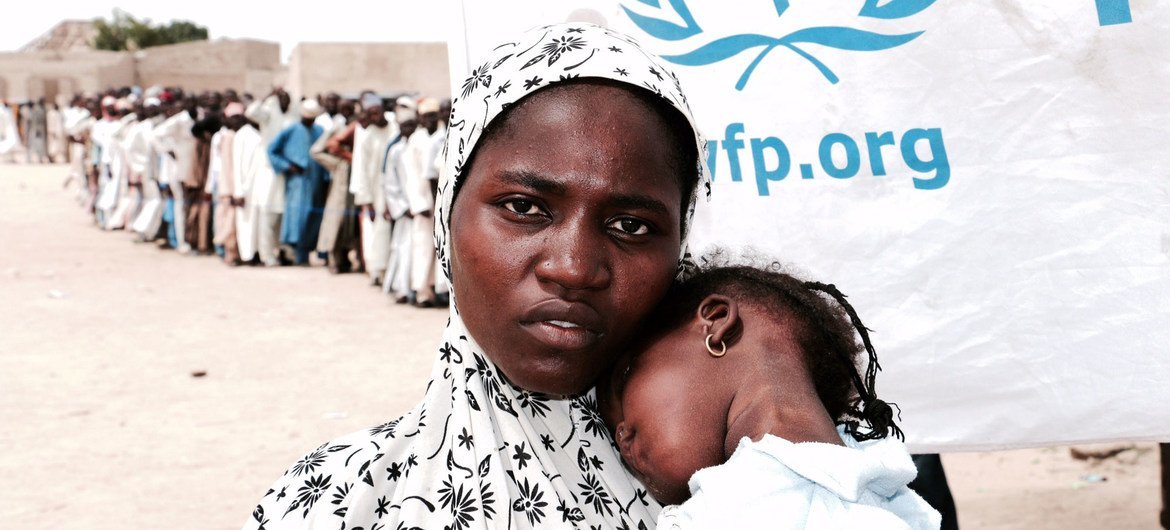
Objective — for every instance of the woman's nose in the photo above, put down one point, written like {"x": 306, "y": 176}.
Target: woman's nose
{"x": 574, "y": 260}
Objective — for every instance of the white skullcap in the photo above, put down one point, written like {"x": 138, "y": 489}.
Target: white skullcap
{"x": 151, "y": 102}
{"x": 404, "y": 114}
{"x": 370, "y": 100}
{"x": 428, "y": 105}
{"x": 405, "y": 101}
{"x": 311, "y": 109}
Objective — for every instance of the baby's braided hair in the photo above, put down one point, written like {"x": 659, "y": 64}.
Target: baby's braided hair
{"x": 826, "y": 329}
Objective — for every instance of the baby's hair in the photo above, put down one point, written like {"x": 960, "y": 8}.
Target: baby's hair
{"x": 825, "y": 331}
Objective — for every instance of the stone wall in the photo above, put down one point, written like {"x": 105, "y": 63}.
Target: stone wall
{"x": 385, "y": 67}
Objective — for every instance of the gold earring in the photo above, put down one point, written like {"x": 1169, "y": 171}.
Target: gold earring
{"x": 722, "y": 346}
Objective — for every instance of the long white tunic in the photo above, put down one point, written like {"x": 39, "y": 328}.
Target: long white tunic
{"x": 397, "y": 280}
{"x": 9, "y": 137}
{"x": 174, "y": 135}
{"x": 417, "y": 163}
{"x": 366, "y": 184}
{"x": 114, "y": 185}
{"x": 365, "y": 181}
{"x": 248, "y": 160}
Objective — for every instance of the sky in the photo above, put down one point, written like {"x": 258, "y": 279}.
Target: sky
{"x": 285, "y": 22}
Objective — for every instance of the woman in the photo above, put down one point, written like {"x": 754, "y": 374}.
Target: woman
{"x": 570, "y": 174}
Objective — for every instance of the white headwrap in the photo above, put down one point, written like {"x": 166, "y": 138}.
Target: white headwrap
{"x": 479, "y": 452}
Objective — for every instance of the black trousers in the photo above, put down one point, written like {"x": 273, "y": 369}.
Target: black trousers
{"x": 931, "y": 484}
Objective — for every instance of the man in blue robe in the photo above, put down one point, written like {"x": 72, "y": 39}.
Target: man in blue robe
{"x": 305, "y": 182}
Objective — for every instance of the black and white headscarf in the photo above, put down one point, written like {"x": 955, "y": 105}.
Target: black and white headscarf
{"x": 479, "y": 452}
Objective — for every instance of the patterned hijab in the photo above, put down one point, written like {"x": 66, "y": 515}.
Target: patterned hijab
{"x": 479, "y": 452}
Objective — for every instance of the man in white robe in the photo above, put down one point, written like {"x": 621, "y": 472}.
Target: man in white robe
{"x": 397, "y": 282}
{"x": 249, "y": 159}
{"x": 221, "y": 183}
{"x": 55, "y": 123}
{"x": 173, "y": 138}
{"x": 114, "y": 201}
{"x": 142, "y": 160}
{"x": 366, "y": 184}
{"x": 77, "y": 122}
{"x": 271, "y": 115}
{"x": 421, "y": 183}
{"x": 100, "y": 135}
{"x": 9, "y": 135}
{"x": 129, "y": 197}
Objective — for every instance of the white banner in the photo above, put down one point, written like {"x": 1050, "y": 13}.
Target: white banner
{"x": 987, "y": 180}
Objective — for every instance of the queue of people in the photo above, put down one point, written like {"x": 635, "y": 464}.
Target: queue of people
{"x": 349, "y": 183}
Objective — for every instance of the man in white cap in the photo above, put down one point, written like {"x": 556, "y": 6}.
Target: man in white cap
{"x": 397, "y": 281}
{"x": 365, "y": 182}
{"x": 142, "y": 160}
{"x": 116, "y": 200}
{"x": 221, "y": 183}
{"x": 249, "y": 159}
{"x": 271, "y": 115}
{"x": 421, "y": 183}
{"x": 178, "y": 151}
{"x": 305, "y": 182}
{"x": 78, "y": 122}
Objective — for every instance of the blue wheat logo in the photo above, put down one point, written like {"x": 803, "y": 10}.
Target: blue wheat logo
{"x": 841, "y": 38}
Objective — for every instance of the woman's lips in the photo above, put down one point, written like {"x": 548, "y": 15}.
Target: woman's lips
{"x": 561, "y": 335}
{"x": 563, "y": 325}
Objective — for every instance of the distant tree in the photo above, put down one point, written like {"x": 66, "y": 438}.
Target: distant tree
{"x": 124, "y": 32}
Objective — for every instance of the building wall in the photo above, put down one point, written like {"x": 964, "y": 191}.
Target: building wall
{"x": 33, "y": 75}
{"x": 383, "y": 67}
{"x": 245, "y": 65}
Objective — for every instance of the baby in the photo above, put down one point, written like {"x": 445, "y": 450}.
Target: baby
{"x": 746, "y": 388}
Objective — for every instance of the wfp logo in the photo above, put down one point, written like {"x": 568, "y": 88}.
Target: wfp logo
{"x": 723, "y": 48}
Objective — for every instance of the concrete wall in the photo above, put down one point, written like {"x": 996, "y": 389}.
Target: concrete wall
{"x": 384, "y": 67}
{"x": 52, "y": 75}
{"x": 245, "y": 65}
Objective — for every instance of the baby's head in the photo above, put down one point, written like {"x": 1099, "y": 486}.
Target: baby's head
{"x": 731, "y": 352}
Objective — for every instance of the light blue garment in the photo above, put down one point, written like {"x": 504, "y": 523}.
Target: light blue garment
{"x": 304, "y": 192}
{"x": 777, "y": 484}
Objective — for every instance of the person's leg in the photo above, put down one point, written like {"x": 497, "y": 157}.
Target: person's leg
{"x": 931, "y": 484}
{"x": 422, "y": 268}
{"x": 269, "y": 233}
{"x": 1165, "y": 450}
{"x": 180, "y": 219}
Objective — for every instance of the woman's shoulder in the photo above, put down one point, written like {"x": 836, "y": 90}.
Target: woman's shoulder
{"x": 321, "y": 484}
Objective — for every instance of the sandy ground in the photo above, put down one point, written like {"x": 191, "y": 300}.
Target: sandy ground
{"x": 103, "y": 426}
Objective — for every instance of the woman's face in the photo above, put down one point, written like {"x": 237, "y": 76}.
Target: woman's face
{"x": 565, "y": 234}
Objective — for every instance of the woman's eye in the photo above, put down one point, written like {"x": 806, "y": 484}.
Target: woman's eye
{"x": 632, "y": 227}
{"x": 522, "y": 207}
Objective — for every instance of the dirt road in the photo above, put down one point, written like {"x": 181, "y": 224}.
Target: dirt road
{"x": 103, "y": 426}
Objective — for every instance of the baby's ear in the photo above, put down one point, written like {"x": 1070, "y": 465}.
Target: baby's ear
{"x": 719, "y": 316}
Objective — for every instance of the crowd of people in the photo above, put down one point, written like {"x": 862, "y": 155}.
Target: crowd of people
{"x": 345, "y": 182}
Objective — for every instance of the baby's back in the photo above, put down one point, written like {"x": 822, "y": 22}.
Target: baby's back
{"x": 774, "y": 483}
